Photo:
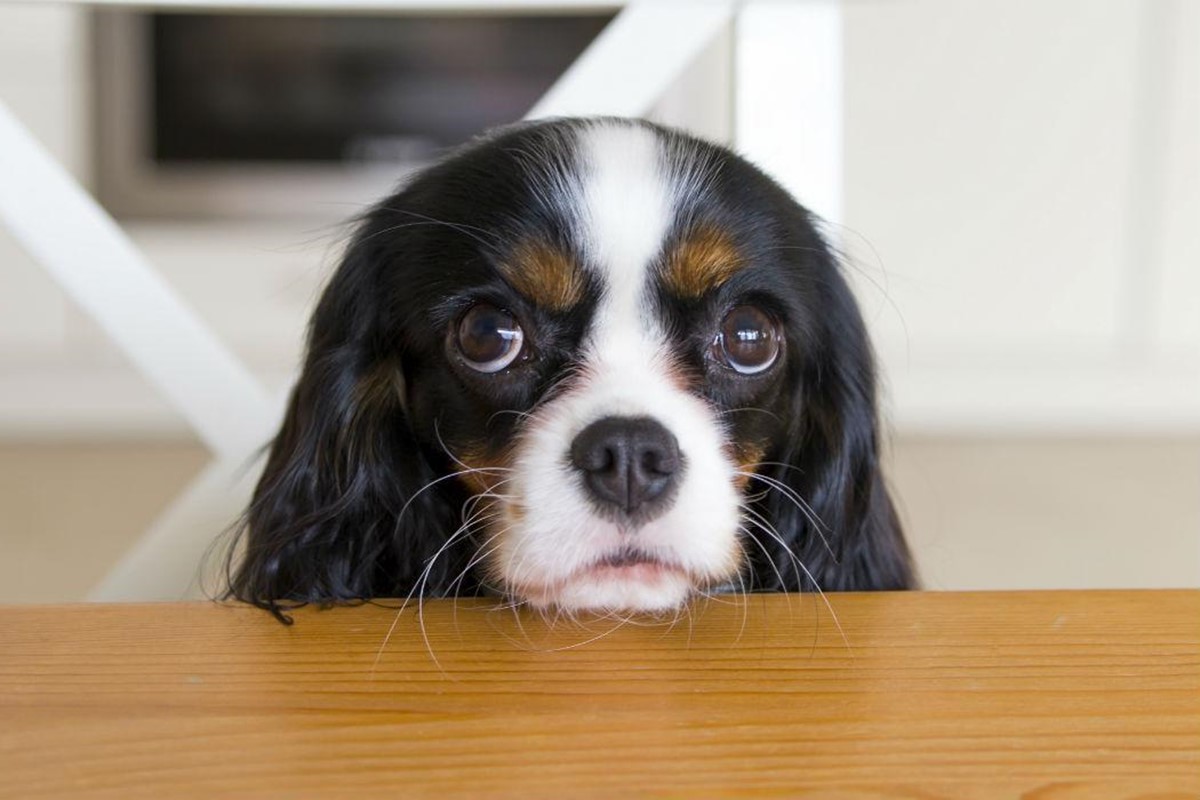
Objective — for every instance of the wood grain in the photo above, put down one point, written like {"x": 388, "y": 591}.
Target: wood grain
{"x": 1047, "y": 696}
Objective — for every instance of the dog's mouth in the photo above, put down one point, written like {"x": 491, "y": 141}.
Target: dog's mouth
{"x": 630, "y": 565}
{"x": 627, "y": 557}
{"x": 624, "y": 580}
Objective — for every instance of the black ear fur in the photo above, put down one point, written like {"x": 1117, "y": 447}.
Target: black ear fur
{"x": 326, "y": 523}
{"x": 838, "y": 522}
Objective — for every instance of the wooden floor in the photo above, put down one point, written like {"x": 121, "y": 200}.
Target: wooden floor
{"x": 982, "y": 514}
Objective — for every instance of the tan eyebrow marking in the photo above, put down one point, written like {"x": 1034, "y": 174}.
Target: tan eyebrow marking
{"x": 703, "y": 259}
{"x": 545, "y": 275}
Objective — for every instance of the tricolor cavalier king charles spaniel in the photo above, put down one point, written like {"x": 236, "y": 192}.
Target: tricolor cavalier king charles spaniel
{"x": 589, "y": 365}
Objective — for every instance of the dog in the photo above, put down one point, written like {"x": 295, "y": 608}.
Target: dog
{"x": 588, "y": 365}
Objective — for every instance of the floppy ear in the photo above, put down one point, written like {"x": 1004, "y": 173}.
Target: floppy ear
{"x": 830, "y": 505}
{"x": 344, "y": 509}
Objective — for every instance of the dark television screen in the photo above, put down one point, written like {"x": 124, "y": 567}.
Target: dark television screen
{"x": 247, "y": 87}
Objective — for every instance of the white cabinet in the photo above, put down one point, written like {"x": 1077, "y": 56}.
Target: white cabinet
{"x": 1021, "y": 210}
{"x": 1175, "y": 316}
{"x": 988, "y": 162}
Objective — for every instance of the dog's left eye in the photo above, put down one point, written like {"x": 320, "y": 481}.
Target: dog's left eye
{"x": 489, "y": 338}
{"x": 748, "y": 340}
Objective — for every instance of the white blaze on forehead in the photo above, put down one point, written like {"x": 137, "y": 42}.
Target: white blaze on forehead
{"x": 627, "y": 211}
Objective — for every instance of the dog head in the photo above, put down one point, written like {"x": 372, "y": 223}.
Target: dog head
{"x": 590, "y": 364}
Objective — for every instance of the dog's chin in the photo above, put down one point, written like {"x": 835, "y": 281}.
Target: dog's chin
{"x": 643, "y": 587}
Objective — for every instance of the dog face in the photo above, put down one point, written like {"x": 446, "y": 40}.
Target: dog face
{"x": 589, "y": 364}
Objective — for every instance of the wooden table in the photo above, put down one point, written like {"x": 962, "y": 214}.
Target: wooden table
{"x": 1047, "y": 695}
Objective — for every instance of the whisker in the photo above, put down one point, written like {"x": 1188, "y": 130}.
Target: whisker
{"x": 779, "y": 464}
{"x": 484, "y": 551}
{"x": 519, "y": 414}
{"x": 467, "y": 468}
{"x": 620, "y": 623}
{"x": 812, "y": 579}
{"x": 418, "y": 589}
{"x": 800, "y": 503}
{"x": 442, "y": 479}
{"x": 749, "y": 409}
{"x": 774, "y": 567}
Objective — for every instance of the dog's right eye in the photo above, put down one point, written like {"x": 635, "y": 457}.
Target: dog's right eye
{"x": 489, "y": 338}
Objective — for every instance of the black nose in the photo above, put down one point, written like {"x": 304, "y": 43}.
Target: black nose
{"x": 630, "y": 465}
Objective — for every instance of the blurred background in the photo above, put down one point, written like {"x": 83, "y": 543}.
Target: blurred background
{"x": 1015, "y": 184}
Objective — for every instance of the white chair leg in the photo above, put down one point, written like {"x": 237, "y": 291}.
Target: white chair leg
{"x": 795, "y": 134}
{"x": 180, "y": 556}
{"x": 635, "y": 59}
{"x": 93, "y": 260}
